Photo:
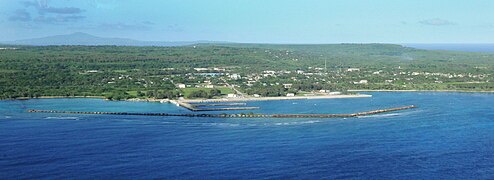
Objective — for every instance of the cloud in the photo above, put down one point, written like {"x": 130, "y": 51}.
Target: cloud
{"x": 58, "y": 19}
{"x": 124, "y": 26}
{"x": 46, "y": 14}
{"x": 436, "y": 22}
{"x": 30, "y": 3}
{"x": 104, "y": 4}
{"x": 486, "y": 25}
{"x": 64, "y": 10}
{"x": 173, "y": 28}
{"x": 43, "y": 7}
{"x": 20, "y": 15}
{"x": 148, "y": 22}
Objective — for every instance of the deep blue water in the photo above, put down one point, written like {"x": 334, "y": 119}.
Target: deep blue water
{"x": 450, "y": 135}
{"x": 455, "y": 47}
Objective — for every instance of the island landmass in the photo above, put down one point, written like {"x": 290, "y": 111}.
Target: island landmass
{"x": 236, "y": 72}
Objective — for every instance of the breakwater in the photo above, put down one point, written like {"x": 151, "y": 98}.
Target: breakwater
{"x": 241, "y": 115}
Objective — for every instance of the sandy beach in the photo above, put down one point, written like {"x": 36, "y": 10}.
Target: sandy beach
{"x": 277, "y": 98}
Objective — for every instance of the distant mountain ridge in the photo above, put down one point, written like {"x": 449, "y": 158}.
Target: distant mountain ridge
{"x": 84, "y": 39}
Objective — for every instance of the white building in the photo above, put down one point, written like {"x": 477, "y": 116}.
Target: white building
{"x": 335, "y": 93}
{"x": 361, "y": 82}
{"x": 235, "y": 76}
{"x": 201, "y": 69}
{"x": 257, "y": 95}
{"x": 181, "y": 86}
{"x": 232, "y": 95}
{"x": 352, "y": 69}
{"x": 290, "y": 94}
{"x": 288, "y": 86}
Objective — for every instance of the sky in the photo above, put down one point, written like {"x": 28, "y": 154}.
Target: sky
{"x": 255, "y": 21}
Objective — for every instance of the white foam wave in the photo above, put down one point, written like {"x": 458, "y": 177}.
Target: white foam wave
{"x": 223, "y": 124}
{"x": 391, "y": 114}
{"x": 295, "y": 123}
{"x": 382, "y": 115}
{"x": 61, "y": 118}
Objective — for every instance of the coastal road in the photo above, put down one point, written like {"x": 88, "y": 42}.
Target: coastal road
{"x": 235, "y": 89}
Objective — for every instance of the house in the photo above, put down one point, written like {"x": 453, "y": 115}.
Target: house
{"x": 290, "y": 95}
{"x": 352, "y": 69}
{"x": 181, "y": 86}
{"x": 210, "y": 86}
{"x": 361, "y": 82}
{"x": 232, "y": 95}
{"x": 201, "y": 69}
{"x": 287, "y": 86}
{"x": 324, "y": 91}
{"x": 257, "y": 95}
{"x": 219, "y": 69}
{"x": 235, "y": 76}
{"x": 334, "y": 93}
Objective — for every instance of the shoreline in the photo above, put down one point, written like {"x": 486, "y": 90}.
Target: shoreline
{"x": 416, "y": 90}
{"x": 206, "y": 100}
{"x": 259, "y": 98}
{"x": 276, "y": 98}
{"x": 56, "y": 97}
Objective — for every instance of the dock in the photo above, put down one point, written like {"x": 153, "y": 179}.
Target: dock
{"x": 221, "y": 104}
{"x": 241, "y": 115}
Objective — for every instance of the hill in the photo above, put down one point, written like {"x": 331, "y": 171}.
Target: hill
{"x": 90, "y": 40}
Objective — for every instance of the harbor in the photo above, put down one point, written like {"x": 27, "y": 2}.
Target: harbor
{"x": 227, "y": 104}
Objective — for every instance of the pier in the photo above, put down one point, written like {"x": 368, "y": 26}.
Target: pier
{"x": 222, "y": 104}
{"x": 241, "y": 115}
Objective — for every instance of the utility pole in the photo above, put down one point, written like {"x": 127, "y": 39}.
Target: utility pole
{"x": 326, "y": 65}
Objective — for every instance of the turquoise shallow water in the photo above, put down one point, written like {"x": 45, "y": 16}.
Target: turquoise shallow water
{"x": 450, "y": 135}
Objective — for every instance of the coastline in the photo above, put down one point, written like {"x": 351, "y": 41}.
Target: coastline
{"x": 416, "y": 90}
{"x": 276, "y": 98}
{"x": 56, "y": 97}
{"x": 259, "y": 98}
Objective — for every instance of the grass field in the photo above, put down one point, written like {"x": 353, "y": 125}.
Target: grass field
{"x": 187, "y": 91}
{"x": 132, "y": 93}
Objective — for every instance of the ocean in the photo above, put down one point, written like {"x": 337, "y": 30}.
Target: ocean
{"x": 449, "y": 136}
{"x": 455, "y": 47}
